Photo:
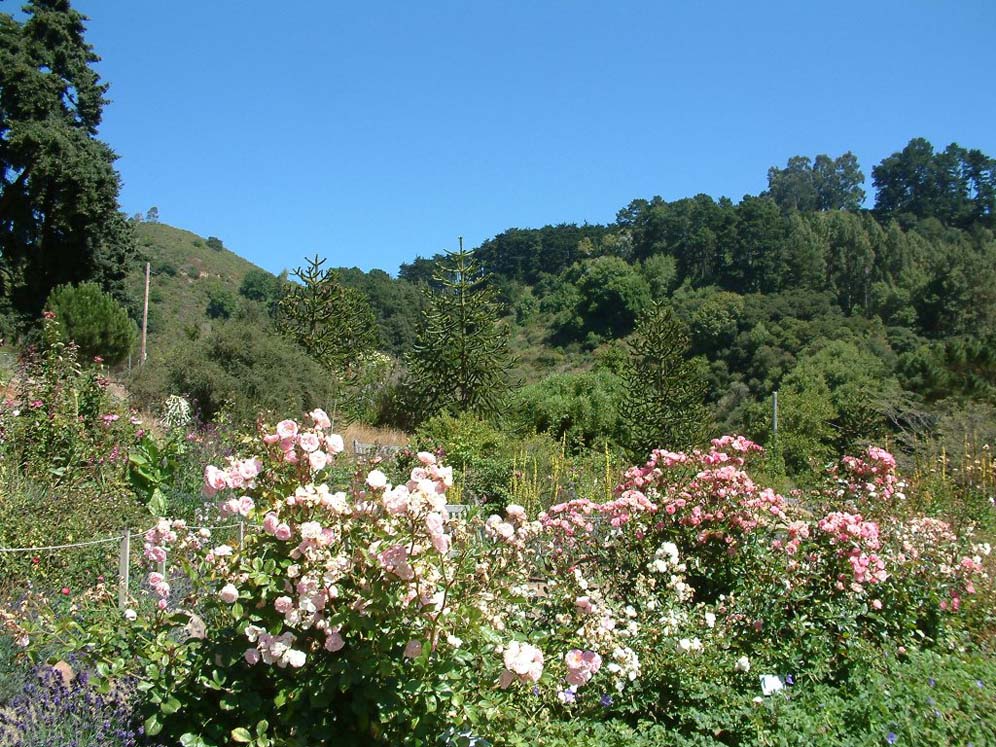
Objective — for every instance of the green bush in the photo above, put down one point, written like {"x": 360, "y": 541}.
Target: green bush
{"x": 581, "y": 408}
{"x": 243, "y": 362}
{"x": 92, "y": 319}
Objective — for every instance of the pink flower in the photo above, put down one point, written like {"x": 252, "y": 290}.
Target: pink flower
{"x": 283, "y": 605}
{"x": 215, "y": 479}
{"x": 271, "y": 438}
{"x": 395, "y": 561}
{"x": 249, "y": 468}
{"x": 318, "y": 460}
{"x": 524, "y": 661}
{"x": 282, "y": 532}
{"x": 396, "y": 500}
{"x": 320, "y": 418}
{"x": 334, "y": 444}
{"x": 251, "y": 656}
{"x": 270, "y": 523}
{"x": 246, "y": 505}
{"x": 334, "y": 641}
{"x": 515, "y": 511}
{"x": 426, "y": 458}
{"x": 228, "y": 593}
{"x": 286, "y": 429}
{"x": 413, "y": 650}
{"x": 308, "y": 441}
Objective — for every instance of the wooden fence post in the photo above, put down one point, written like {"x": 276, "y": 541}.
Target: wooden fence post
{"x": 124, "y": 561}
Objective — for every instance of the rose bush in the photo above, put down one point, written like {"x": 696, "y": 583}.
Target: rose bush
{"x": 360, "y": 609}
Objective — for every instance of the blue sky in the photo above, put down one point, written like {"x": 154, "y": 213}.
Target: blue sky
{"x": 372, "y": 132}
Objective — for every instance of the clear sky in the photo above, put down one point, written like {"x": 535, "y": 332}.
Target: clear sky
{"x": 370, "y": 133}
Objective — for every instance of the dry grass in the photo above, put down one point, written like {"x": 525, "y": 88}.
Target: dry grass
{"x": 368, "y": 434}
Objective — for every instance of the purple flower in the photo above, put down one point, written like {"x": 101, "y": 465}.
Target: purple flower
{"x": 931, "y": 682}
{"x": 789, "y": 679}
{"x": 606, "y": 700}
{"x": 891, "y": 737}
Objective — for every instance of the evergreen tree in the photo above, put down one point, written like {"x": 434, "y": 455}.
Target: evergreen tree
{"x": 332, "y": 322}
{"x": 665, "y": 390}
{"x": 59, "y": 219}
{"x": 461, "y": 356}
{"x": 92, "y": 319}
{"x": 336, "y": 327}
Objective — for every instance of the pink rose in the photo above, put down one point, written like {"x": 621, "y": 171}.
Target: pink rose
{"x": 333, "y": 442}
{"x": 251, "y": 656}
{"x": 286, "y": 429}
{"x": 214, "y": 479}
{"x": 426, "y": 458}
{"x": 282, "y": 532}
{"x": 413, "y": 649}
{"x": 320, "y": 418}
{"x": 270, "y": 523}
{"x": 270, "y": 438}
{"x": 308, "y": 441}
{"x": 334, "y": 641}
{"x": 283, "y": 605}
{"x": 246, "y": 505}
{"x": 318, "y": 460}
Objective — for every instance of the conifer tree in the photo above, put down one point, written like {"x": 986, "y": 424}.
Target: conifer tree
{"x": 665, "y": 391}
{"x": 461, "y": 356}
{"x": 334, "y": 324}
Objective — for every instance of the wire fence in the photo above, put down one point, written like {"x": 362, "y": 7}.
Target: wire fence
{"x": 130, "y": 554}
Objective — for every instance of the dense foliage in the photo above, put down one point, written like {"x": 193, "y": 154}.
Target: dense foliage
{"x": 93, "y": 320}
{"x": 59, "y": 220}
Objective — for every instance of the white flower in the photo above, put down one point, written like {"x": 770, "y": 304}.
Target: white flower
{"x": 742, "y": 665}
{"x": 130, "y": 615}
{"x": 710, "y": 619}
{"x": 295, "y": 658}
{"x": 229, "y": 593}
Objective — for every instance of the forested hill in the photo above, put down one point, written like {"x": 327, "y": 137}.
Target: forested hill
{"x": 870, "y": 322}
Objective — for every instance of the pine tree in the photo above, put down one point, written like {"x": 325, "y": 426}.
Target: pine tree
{"x": 461, "y": 356}
{"x": 665, "y": 391}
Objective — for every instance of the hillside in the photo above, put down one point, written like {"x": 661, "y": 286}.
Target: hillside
{"x": 186, "y": 274}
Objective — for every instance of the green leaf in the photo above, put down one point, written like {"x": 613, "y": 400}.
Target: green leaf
{"x": 241, "y": 734}
{"x": 170, "y": 706}
{"x": 153, "y": 725}
{"x": 262, "y": 726}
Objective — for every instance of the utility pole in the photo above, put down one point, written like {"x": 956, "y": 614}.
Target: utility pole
{"x": 774, "y": 415}
{"x": 145, "y": 315}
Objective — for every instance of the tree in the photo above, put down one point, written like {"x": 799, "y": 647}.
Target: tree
{"x": 221, "y": 303}
{"x": 665, "y": 390}
{"x": 824, "y": 184}
{"x": 461, "y": 356}
{"x": 59, "y": 219}
{"x": 332, "y": 322}
{"x": 259, "y": 285}
{"x": 152, "y": 215}
{"x": 92, "y": 319}
{"x": 956, "y": 186}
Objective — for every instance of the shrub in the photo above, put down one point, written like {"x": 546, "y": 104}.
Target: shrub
{"x": 92, "y": 319}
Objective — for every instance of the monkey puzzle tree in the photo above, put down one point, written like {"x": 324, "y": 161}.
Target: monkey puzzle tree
{"x": 461, "y": 356}
{"x": 664, "y": 406}
{"x": 331, "y": 321}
